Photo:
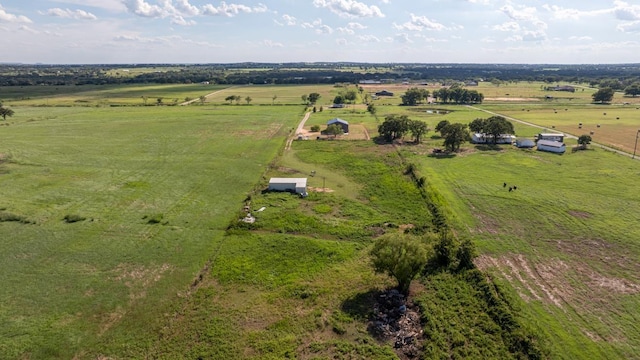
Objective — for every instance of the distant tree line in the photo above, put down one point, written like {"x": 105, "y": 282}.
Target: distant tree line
{"x": 617, "y": 77}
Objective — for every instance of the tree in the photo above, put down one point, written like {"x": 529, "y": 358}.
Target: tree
{"x": 315, "y": 128}
{"x": 496, "y": 126}
{"x": 230, "y": 99}
{"x": 305, "y": 98}
{"x": 351, "y": 96}
{"x": 5, "y": 111}
{"x": 400, "y": 256}
{"x": 159, "y": 101}
{"x": 338, "y": 99}
{"x": 441, "y": 126}
{"x": 248, "y": 99}
{"x": 273, "y": 99}
{"x": 418, "y": 128}
{"x": 445, "y": 249}
{"x": 203, "y": 99}
{"x": 584, "y": 140}
{"x": 334, "y": 129}
{"x": 465, "y": 255}
{"x": 394, "y": 127}
{"x": 413, "y": 96}
{"x": 603, "y": 95}
{"x": 371, "y": 108}
{"x": 477, "y": 125}
{"x": 455, "y": 135}
{"x": 313, "y": 97}
{"x": 633, "y": 90}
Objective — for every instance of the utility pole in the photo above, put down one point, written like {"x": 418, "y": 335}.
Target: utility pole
{"x": 636, "y": 146}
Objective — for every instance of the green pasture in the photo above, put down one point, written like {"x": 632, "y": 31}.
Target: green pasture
{"x": 153, "y": 187}
{"x": 566, "y": 240}
{"x": 107, "y": 95}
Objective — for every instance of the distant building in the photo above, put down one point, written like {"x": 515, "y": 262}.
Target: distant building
{"x": 471, "y": 83}
{"x": 525, "y": 143}
{"x": 479, "y": 138}
{"x": 564, "y": 88}
{"x": 551, "y": 137}
{"x": 294, "y": 185}
{"x": 337, "y": 106}
{"x": 551, "y": 146}
{"x": 384, "y": 93}
{"x": 370, "y": 82}
{"x": 344, "y": 124}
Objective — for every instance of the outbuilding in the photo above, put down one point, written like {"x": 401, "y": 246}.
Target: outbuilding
{"x": 295, "y": 185}
{"x": 551, "y": 137}
{"x": 551, "y": 146}
{"x": 525, "y": 143}
{"x": 384, "y": 93}
{"x": 344, "y": 124}
{"x": 480, "y": 138}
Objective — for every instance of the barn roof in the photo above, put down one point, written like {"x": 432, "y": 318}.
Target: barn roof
{"x": 551, "y": 135}
{"x": 337, "y": 120}
{"x": 298, "y": 181}
{"x": 550, "y": 143}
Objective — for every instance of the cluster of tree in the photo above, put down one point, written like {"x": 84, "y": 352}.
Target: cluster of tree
{"x": 454, "y": 134}
{"x": 405, "y": 256}
{"x": 348, "y": 96}
{"x": 334, "y": 129}
{"x": 458, "y": 95}
{"x": 397, "y": 126}
{"x": 5, "y": 111}
{"x": 236, "y": 98}
{"x": 633, "y": 89}
{"x": 414, "y": 96}
{"x": 603, "y": 95}
{"x": 310, "y": 98}
{"x": 493, "y": 127}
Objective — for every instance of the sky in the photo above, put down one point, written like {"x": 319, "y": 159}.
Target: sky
{"x": 373, "y": 31}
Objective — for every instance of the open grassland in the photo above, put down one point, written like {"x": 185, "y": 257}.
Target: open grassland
{"x": 107, "y": 95}
{"x": 108, "y": 214}
{"x": 567, "y": 240}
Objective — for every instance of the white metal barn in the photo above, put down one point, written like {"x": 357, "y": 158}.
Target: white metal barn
{"x": 551, "y": 137}
{"x": 551, "y": 146}
{"x": 297, "y": 185}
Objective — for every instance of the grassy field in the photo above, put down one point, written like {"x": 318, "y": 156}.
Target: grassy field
{"x": 120, "y": 236}
{"x": 156, "y": 187}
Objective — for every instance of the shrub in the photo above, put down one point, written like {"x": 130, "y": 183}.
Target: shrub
{"x": 71, "y": 218}
{"x": 315, "y": 128}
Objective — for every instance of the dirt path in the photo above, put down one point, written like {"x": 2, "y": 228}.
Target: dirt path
{"x": 206, "y": 96}
{"x": 570, "y": 136}
{"x": 300, "y": 129}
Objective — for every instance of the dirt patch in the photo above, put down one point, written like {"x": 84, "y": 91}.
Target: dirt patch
{"x": 319, "y": 189}
{"x": 139, "y": 278}
{"x": 580, "y": 214}
{"x": 286, "y": 170}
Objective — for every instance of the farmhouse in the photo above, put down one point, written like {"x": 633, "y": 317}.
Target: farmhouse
{"x": 479, "y": 138}
{"x": 564, "y": 88}
{"x": 525, "y": 143}
{"x": 342, "y": 123}
{"x": 551, "y": 146}
{"x": 384, "y": 93}
{"x": 296, "y": 185}
{"x": 551, "y": 137}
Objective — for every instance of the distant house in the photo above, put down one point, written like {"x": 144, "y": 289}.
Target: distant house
{"x": 337, "y": 106}
{"x": 384, "y": 93}
{"x": 295, "y": 185}
{"x": 551, "y": 146}
{"x": 344, "y": 124}
{"x": 479, "y": 138}
{"x": 551, "y": 137}
{"x": 471, "y": 83}
{"x": 525, "y": 143}
{"x": 368, "y": 82}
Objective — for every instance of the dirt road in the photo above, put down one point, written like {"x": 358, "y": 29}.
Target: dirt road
{"x": 300, "y": 129}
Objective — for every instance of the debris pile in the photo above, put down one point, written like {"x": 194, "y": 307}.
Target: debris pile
{"x": 398, "y": 320}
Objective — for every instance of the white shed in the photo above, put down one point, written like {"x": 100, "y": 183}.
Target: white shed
{"x": 551, "y": 136}
{"x": 297, "y": 185}
{"x": 551, "y": 146}
{"x": 480, "y": 138}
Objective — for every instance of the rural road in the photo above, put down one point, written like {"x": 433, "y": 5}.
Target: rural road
{"x": 298, "y": 130}
{"x": 206, "y": 96}
{"x": 570, "y": 136}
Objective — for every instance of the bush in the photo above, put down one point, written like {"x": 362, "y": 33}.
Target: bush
{"x": 71, "y": 218}
{"x": 315, "y": 128}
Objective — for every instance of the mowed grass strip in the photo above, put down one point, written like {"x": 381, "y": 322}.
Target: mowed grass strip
{"x": 102, "y": 285}
{"x": 565, "y": 240}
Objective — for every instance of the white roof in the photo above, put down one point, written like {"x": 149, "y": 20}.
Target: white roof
{"x": 298, "y": 181}
{"x": 551, "y": 143}
{"x": 551, "y": 134}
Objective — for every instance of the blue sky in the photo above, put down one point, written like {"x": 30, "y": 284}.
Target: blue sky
{"x": 428, "y": 31}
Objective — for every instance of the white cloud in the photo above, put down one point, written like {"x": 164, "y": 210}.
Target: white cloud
{"x": 419, "y": 23}
{"x": 508, "y": 26}
{"x": 185, "y": 8}
{"x": 369, "y": 38}
{"x": 111, "y": 5}
{"x": 324, "y": 29}
{"x": 580, "y": 38}
{"x": 231, "y": 10}
{"x": 630, "y": 27}
{"x": 626, "y": 12}
{"x": 311, "y": 25}
{"x": 349, "y": 8}
{"x": 272, "y": 44}
{"x": 71, "y": 14}
{"x": 11, "y": 18}
{"x": 144, "y": 9}
{"x": 403, "y": 38}
{"x": 28, "y": 29}
{"x": 179, "y": 20}
{"x": 288, "y": 20}
{"x": 561, "y": 13}
{"x": 342, "y": 42}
